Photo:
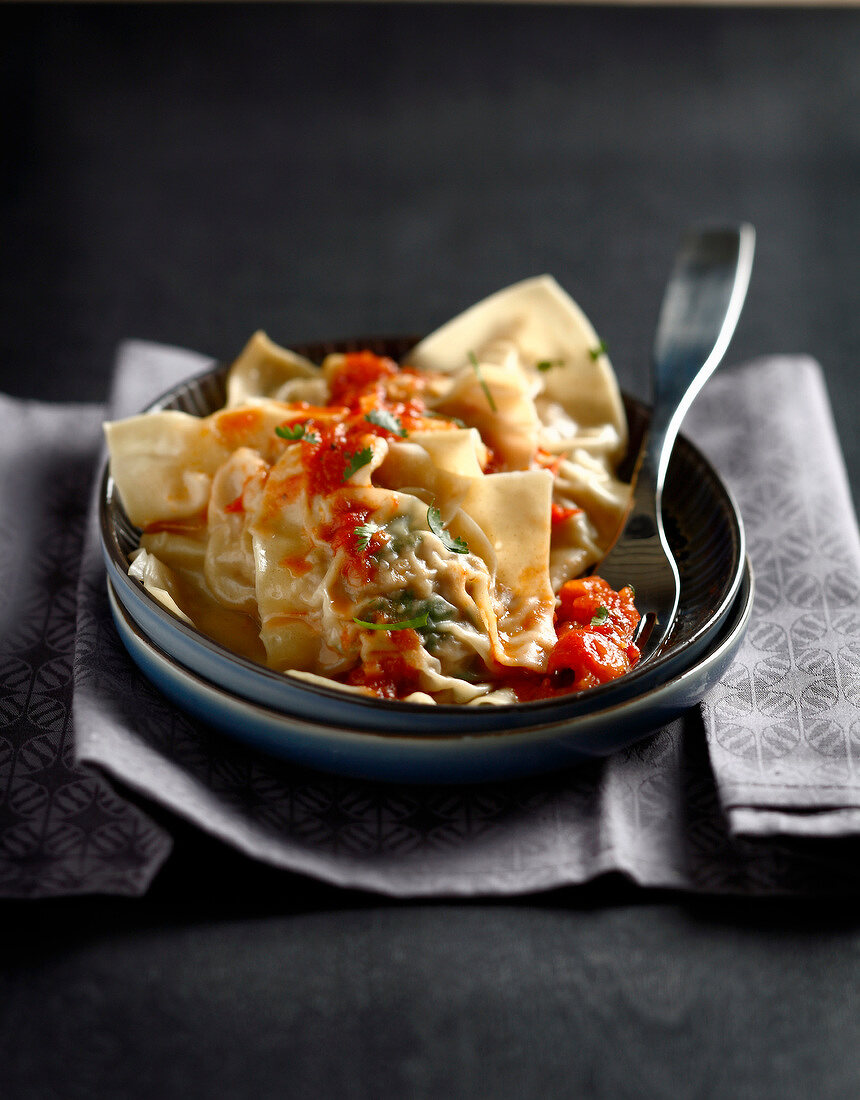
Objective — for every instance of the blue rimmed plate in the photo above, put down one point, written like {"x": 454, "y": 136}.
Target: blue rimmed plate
{"x": 443, "y": 756}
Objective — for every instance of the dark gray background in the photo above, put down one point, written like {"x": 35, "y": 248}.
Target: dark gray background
{"x": 188, "y": 174}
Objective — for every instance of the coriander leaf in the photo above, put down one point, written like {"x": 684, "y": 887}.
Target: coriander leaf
{"x": 365, "y": 532}
{"x": 548, "y": 364}
{"x": 297, "y": 431}
{"x": 382, "y": 418}
{"x": 476, "y": 367}
{"x": 404, "y": 624}
{"x": 355, "y": 460}
{"x": 600, "y": 616}
{"x": 405, "y": 607}
{"x": 595, "y": 353}
{"x": 434, "y": 521}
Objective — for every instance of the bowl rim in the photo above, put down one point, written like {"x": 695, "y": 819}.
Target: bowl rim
{"x": 730, "y": 633}
{"x": 573, "y": 703}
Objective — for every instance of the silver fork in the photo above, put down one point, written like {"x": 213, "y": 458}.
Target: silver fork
{"x": 701, "y": 307}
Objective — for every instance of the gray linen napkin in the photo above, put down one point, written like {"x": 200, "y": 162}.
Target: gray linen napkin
{"x": 784, "y": 730}
{"x": 63, "y": 829}
{"x": 757, "y": 758}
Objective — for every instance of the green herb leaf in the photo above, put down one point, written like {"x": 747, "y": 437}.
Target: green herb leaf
{"x": 595, "y": 353}
{"x": 382, "y": 418}
{"x": 355, "y": 460}
{"x": 476, "y": 367}
{"x": 297, "y": 431}
{"x": 434, "y": 521}
{"x": 427, "y": 616}
{"x": 365, "y": 533}
{"x": 548, "y": 364}
{"x": 404, "y": 624}
{"x": 600, "y": 616}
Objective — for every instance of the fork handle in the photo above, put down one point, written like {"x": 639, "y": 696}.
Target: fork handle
{"x": 708, "y": 284}
{"x": 699, "y": 313}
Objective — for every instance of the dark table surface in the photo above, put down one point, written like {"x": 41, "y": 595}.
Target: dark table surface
{"x": 188, "y": 174}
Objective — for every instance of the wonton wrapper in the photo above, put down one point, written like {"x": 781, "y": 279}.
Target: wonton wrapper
{"x": 263, "y": 368}
{"x": 545, "y": 324}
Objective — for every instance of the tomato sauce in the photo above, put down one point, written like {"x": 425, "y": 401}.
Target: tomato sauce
{"x": 559, "y": 514}
{"x": 335, "y": 434}
{"x": 595, "y": 626}
{"x": 360, "y": 371}
{"x": 391, "y": 676}
{"x": 234, "y": 426}
{"x": 342, "y": 534}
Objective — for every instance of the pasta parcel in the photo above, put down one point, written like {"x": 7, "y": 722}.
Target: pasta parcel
{"x": 418, "y": 530}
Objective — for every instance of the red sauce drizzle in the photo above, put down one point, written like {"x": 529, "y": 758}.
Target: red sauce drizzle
{"x": 559, "y": 514}
{"x": 297, "y": 566}
{"x": 359, "y": 387}
{"x": 325, "y": 462}
{"x": 390, "y": 676}
{"x": 234, "y": 426}
{"x": 341, "y": 534}
{"x": 360, "y": 371}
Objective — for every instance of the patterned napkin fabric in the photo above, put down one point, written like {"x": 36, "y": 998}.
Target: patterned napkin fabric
{"x": 755, "y": 792}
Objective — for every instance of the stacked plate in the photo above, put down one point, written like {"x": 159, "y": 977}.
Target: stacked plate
{"x": 326, "y": 728}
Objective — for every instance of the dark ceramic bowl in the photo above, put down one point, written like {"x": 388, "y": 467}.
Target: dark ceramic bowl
{"x": 702, "y": 524}
{"x": 441, "y": 756}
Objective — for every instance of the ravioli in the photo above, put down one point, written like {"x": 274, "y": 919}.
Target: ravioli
{"x": 402, "y": 530}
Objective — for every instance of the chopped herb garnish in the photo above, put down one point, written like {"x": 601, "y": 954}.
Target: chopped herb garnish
{"x": 434, "y": 521}
{"x": 365, "y": 533}
{"x": 404, "y": 624}
{"x": 595, "y": 353}
{"x": 382, "y": 418}
{"x": 600, "y": 616}
{"x": 444, "y": 416}
{"x": 476, "y": 367}
{"x": 297, "y": 431}
{"x": 354, "y": 461}
{"x": 403, "y": 609}
{"x": 548, "y": 364}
